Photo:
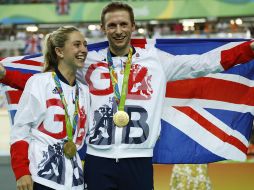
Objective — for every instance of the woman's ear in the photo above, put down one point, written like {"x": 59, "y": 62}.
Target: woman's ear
{"x": 59, "y": 52}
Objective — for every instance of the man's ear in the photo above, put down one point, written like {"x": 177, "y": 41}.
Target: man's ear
{"x": 133, "y": 27}
{"x": 103, "y": 29}
{"x": 59, "y": 52}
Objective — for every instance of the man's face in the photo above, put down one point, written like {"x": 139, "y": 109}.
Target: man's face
{"x": 118, "y": 29}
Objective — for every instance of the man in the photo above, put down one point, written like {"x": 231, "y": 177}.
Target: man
{"x": 127, "y": 86}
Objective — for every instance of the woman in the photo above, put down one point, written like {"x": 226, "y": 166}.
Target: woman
{"x": 49, "y": 125}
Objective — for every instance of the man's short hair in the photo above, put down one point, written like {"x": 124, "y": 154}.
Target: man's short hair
{"x": 115, "y": 6}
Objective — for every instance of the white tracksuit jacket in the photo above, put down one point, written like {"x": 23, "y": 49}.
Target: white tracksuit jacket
{"x": 40, "y": 122}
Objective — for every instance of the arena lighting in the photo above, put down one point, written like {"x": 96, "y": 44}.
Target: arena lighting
{"x": 153, "y": 22}
{"x": 188, "y": 24}
{"x": 54, "y": 26}
{"x": 92, "y": 27}
{"x": 239, "y": 21}
{"x": 197, "y": 20}
{"x": 187, "y": 28}
{"x": 31, "y": 28}
{"x": 141, "y": 30}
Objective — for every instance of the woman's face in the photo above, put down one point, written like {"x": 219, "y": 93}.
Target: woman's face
{"x": 75, "y": 50}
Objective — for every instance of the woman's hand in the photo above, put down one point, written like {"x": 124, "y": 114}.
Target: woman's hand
{"x": 25, "y": 183}
{"x": 2, "y": 71}
{"x": 252, "y": 45}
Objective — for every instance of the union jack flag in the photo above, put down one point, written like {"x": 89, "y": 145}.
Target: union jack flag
{"x": 209, "y": 118}
{"x": 29, "y": 64}
{"x": 204, "y": 120}
{"x": 33, "y": 45}
{"x": 63, "y": 7}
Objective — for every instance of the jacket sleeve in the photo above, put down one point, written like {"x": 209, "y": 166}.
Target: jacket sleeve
{"x": 15, "y": 79}
{"x": 237, "y": 55}
{"x": 28, "y": 115}
{"x": 192, "y": 66}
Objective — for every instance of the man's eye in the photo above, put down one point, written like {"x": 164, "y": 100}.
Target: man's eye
{"x": 111, "y": 26}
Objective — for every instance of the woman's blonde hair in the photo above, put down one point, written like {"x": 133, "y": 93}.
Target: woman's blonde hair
{"x": 53, "y": 40}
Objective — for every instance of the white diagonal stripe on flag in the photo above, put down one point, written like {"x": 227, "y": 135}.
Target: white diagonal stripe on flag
{"x": 232, "y": 78}
{"x": 221, "y": 125}
{"x": 201, "y": 135}
{"x": 214, "y": 104}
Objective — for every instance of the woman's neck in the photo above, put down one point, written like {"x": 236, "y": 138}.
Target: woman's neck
{"x": 68, "y": 73}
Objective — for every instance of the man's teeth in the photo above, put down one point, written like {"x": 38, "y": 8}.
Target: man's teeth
{"x": 119, "y": 38}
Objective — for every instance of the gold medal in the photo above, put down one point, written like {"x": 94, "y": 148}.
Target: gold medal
{"x": 121, "y": 118}
{"x": 70, "y": 149}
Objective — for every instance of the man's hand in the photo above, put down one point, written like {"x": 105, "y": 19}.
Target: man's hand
{"x": 2, "y": 71}
{"x": 252, "y": 45}
{"x": 25, "y": 183}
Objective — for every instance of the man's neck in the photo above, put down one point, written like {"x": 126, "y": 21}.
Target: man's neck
{"x": 119, "y": 53}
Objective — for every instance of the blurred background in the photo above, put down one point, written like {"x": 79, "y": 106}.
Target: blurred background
{"x": 24, "y": 23}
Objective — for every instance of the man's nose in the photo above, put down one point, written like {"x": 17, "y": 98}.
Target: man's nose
{"x": 118, "y": 29}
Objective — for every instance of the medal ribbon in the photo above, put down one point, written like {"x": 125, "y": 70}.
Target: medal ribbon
{"x": 120, "y": 99}
{"x": 69, "y": 126}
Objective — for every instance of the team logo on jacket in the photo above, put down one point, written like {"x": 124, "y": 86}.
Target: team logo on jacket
{"x": 102, "y": 132}
{"x": 140, "y": 87}
{"x": 140, "y": 83}
{"x": 52, "y": 166}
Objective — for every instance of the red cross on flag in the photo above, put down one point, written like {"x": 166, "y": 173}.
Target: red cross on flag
{"x": 33, "y": 45}
{"x": 62, "y": 7}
